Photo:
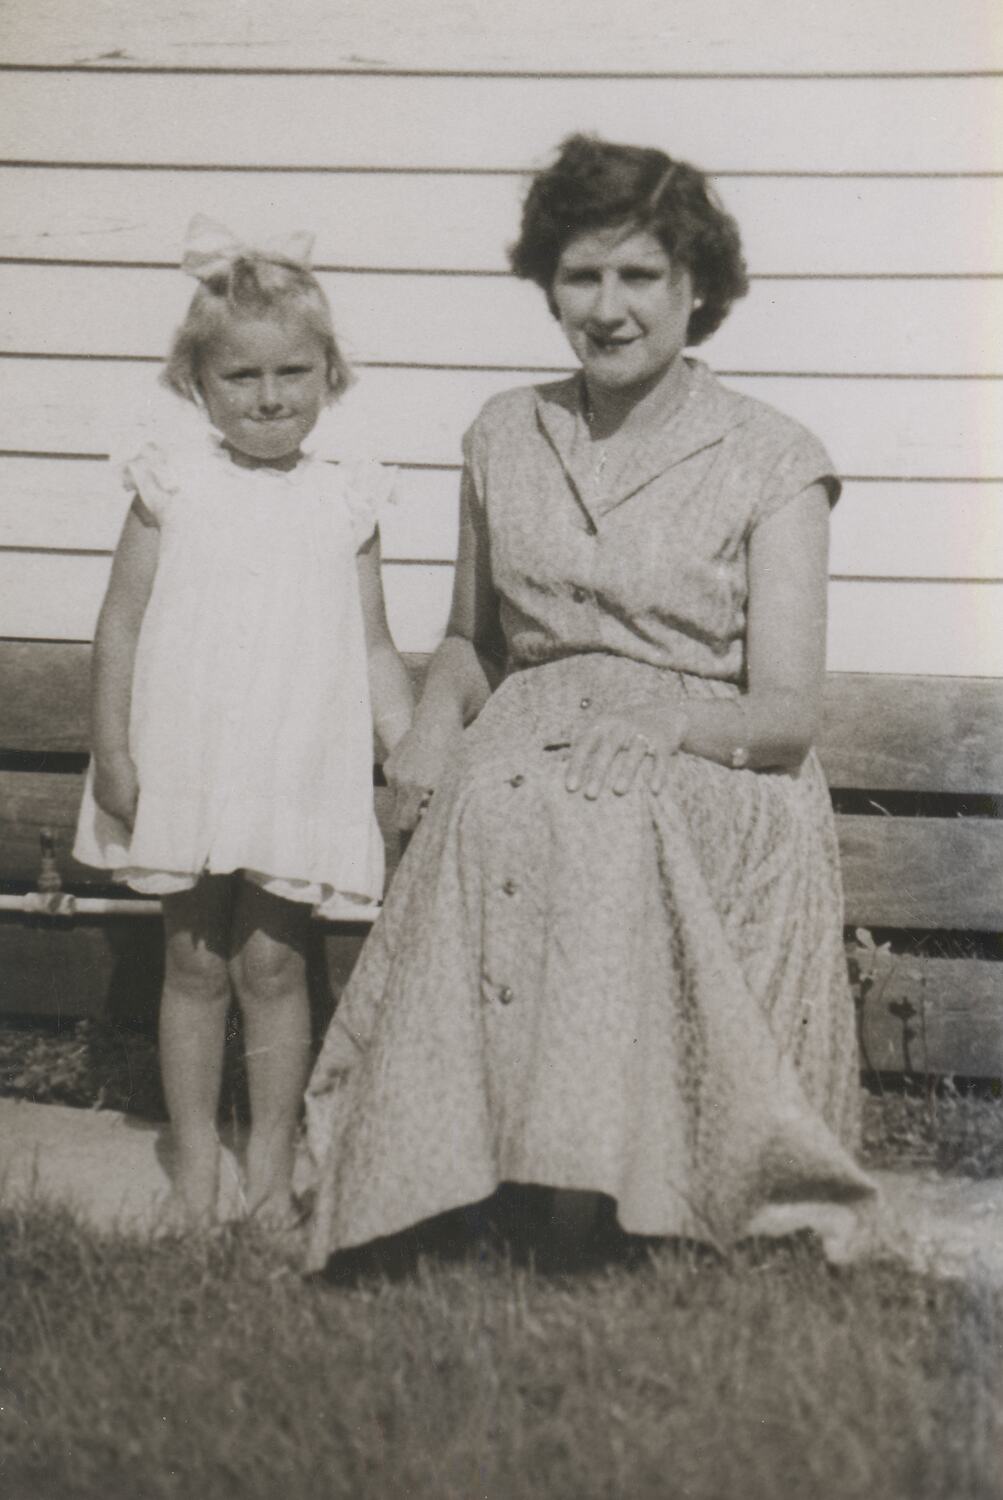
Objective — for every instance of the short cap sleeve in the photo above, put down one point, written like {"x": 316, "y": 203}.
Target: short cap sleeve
{"x": 368, "y": 488}
{"x": 149, "y": 473}
{"x": 473, "y": 462}
{"x": 801, "y": 460}
{"x": 502, "y": 415}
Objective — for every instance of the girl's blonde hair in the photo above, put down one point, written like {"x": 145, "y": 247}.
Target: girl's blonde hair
{"x": 252, "y": 286}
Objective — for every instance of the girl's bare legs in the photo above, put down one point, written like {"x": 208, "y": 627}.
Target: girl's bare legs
{"x": 192, "y": 1033}
{"x": 268, "y": 968}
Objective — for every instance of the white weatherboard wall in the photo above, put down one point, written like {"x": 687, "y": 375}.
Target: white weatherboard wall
{"x": 860, "y": 147}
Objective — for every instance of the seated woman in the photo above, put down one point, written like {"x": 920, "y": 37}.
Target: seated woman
{"x": 611, "y": 960}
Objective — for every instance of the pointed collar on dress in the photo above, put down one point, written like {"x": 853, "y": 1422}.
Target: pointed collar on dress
{"x": 708, "y": 414}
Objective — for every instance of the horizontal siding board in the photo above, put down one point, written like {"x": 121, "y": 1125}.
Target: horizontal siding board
{"x": 759, "y": 125}
{"x": 68, "y": 504}
{"x": 936, "y": 1015}
{"x": 906, "y": 327}
{"x": 52, "y": 596}
{"x": 874, "y": 428}
{"x": 58, "y": 504}
{"x": 378, "y": 219}
{"x": 922, "y": 872}
{"x": 926, "y": 226}
{"x": 476, "y": 34}
{"x": 887, "y": 530}
{"x": 940, "y": 629}
{"x": 913, "y": 734}
{"x": 417, "y": 605}
{"x": 880, "y": 530}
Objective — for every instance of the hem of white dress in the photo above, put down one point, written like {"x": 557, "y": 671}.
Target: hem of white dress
{"x": 328, "y": 902}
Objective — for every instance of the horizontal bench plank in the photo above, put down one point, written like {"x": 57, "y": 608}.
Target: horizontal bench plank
{"x": 914, "y": 734}
{"x": 929, "y": 429}
{"x": 879, "y": 732}
{"x": 44, "y": 696}
{"x": 936, "y": 1016}
{"x": 29, "y": 801}
{"x": 111, "y": 969}
{"x": 107, "y": 970}
{"x": 898, "y": 872}
{"x": 811, "y": 325}
{"x": 32, "y": 800}
{"x": 910, "y": 226}
{"x": 938, "y": 629}
{"x": 880, "y": 529}
{"x": 922, "y": 872}
{"x": 928, "y": 124}
{"x": 692, "y": 36}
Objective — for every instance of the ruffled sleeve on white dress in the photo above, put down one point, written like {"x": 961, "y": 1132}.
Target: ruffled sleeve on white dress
{"x": 369, "y": 488}
{"x": 150, "y": 475}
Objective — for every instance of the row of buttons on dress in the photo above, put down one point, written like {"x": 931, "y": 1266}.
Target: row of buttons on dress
{"x": 506, "y": 994}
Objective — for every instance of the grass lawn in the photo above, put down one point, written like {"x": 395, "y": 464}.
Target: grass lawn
{"x": 208, "y": 1369}
{"x": 205, "y": 1369}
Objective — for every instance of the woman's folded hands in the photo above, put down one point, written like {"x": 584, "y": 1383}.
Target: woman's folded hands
{"x": 614, "y": 748}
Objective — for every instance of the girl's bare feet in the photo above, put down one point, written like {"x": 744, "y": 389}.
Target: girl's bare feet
{"x": 194, "y": 1184}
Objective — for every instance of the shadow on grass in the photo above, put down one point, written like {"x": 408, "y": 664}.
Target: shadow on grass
{"x": 514, "y": 1227}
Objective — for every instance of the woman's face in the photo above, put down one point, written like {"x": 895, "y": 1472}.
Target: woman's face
{"x": 623, "y": 305}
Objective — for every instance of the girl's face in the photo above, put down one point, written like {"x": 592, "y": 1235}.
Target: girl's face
{"x": 624, "y": 307}
{"x": 264, "y": 383}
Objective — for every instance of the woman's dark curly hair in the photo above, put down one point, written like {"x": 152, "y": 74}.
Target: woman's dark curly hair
{"x": 595, "y": 184}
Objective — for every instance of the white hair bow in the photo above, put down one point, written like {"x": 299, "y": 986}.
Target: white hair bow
{"x": 210, "y": 249}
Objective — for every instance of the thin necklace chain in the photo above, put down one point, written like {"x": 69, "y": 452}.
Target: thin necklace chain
{"x": 598, "y": 450}
{"x": 599, "y": 447}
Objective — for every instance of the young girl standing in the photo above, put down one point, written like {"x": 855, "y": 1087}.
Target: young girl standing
{"x": 242, "y": 655}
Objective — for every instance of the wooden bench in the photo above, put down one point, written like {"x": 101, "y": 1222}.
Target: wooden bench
{"x": 916, "y": 768}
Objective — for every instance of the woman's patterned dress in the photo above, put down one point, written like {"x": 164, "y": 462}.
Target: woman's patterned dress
{"x": 642, "y": 995}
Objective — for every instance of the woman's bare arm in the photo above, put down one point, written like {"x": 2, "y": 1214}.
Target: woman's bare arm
{"x": 464, "y": 670}
{"x": 774, "y": 723}
{"x": 776, "y": 720}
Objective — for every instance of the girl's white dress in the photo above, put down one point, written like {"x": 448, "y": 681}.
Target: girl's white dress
{"x": 250, "y": 725}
